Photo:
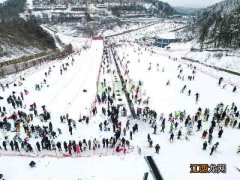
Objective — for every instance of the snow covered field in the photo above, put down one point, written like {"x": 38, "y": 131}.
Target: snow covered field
{"x": 228, "y": 60}
{"x": 65, "y": 94}
{"x": 168, "y": 99}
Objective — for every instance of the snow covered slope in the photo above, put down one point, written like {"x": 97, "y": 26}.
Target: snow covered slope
{"x": 64, "y": 93}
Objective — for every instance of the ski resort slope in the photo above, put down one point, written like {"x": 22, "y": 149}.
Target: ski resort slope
{"x": 168, "y": 98}
{"x": 64, "y": 94}
{"x": 174, "y": 159}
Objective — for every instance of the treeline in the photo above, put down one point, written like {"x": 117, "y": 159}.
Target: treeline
{"x": 11, "y": 9}
{"x": 158, "y": 8}
{"x": 14, "y": 29}
{"x": 21, "y": 32}
{"x": 214, "y": 29}
{"x": 117, "y": 10}
{"x": 161, "y": 8}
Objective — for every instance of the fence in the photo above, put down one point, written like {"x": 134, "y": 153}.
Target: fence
{"x": 22, "y": 63}
{"x": 63, "y": 154}
{"x": 212, "y": 66}
{"x": 210, "y": 72}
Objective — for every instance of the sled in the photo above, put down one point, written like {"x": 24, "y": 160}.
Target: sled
{"x": 66, "y": 155}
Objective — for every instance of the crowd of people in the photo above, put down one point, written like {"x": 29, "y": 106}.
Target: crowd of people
{"x": 42, "y": 138}
{"x": 221, "y": 117}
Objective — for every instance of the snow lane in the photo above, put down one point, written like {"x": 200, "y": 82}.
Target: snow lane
{"x": 63, "y": 82}
{"x": 82, "y": 100}
{"x": 168, "y": 98}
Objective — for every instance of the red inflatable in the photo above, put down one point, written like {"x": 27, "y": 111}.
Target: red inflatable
{"x": 97, "y": 38}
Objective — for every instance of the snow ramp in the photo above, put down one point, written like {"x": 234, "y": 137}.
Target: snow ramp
{"x": 153, "y": 167}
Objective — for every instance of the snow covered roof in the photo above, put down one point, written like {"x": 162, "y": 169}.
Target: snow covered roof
{"x": 166, "y": 36}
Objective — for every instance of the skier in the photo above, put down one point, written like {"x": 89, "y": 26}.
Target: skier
{"x": 38, "y": 146}
{"x": 107, "y": 142}
{"x": 220, "y": 133}
{"x": 131, "y": 135}
{"x": 205, "y": 145}
{"x": 199, "y": 125}
{"x": 171, "y": 137}
{"x": 100, "y": 126}
{"x": 168, "y": 83}
{"x": 11, "y": 144}
{"x": 89, "y": 144}
{"x": 151, "y": 144}
{"x": 103, "y": 141}
{"x": 69, "y": 147}
{"x": 70, "y": 129}
{"x": 16, "y": 146}
{"x": 220, "y": 81}
{"x": 197, "y": 97}
{"x": 204, "y": 134}
{"x": 65, "y": 146}
{"x": 189, "y": 92}
{"x": 4, "y": 145}
{"x": 148, "y": 137}
{"x": 212, "y": 150}
{"x": 163, "y": 126}
{"x": 234, "y": 123}
{"x": 59, "y": 146}
{"x": 183, "y": 89}
{"x": 124, "y": 131}
{"x": 155, "y": 129}
{"x": 235, "y": 88}
{"x": 157, "y": 147}
{"x": 210, "y": 138}
{"x": 179, "y": 134}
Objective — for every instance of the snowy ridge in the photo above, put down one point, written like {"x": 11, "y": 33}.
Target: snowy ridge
{"x": 224, "y": 7}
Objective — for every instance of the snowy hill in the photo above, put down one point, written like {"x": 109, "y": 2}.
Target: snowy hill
{"x": 19, "y": 37}
{"x": 186, "y": 10}
{"x": 19, "y": 40}
{"x": 217, "y": 26}
{"x": 224, "y": 7}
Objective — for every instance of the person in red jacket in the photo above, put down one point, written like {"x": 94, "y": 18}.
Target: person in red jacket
{"x": 204, "y": 134}
{"x": 70, "y": 149}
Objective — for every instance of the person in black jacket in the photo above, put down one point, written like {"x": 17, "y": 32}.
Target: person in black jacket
{"x": 59, "y": 146}
{"x": 65, "y": 146}
{"x": 157, "y": 147}
{"x": 205, "y": 145}
{"x": 12, "y": 145}
{"x": 38, "y": 146}
{"x": 4, "y": 145}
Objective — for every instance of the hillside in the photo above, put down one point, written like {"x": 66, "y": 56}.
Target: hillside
{"x": 186, "y": 10}
{"x": 161, "y": 8}
{"x": 218, "y": 25}
{"x": 19, "y": 37}
{"x": 23, "y": 38}
{"x": 148, "y": 7}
